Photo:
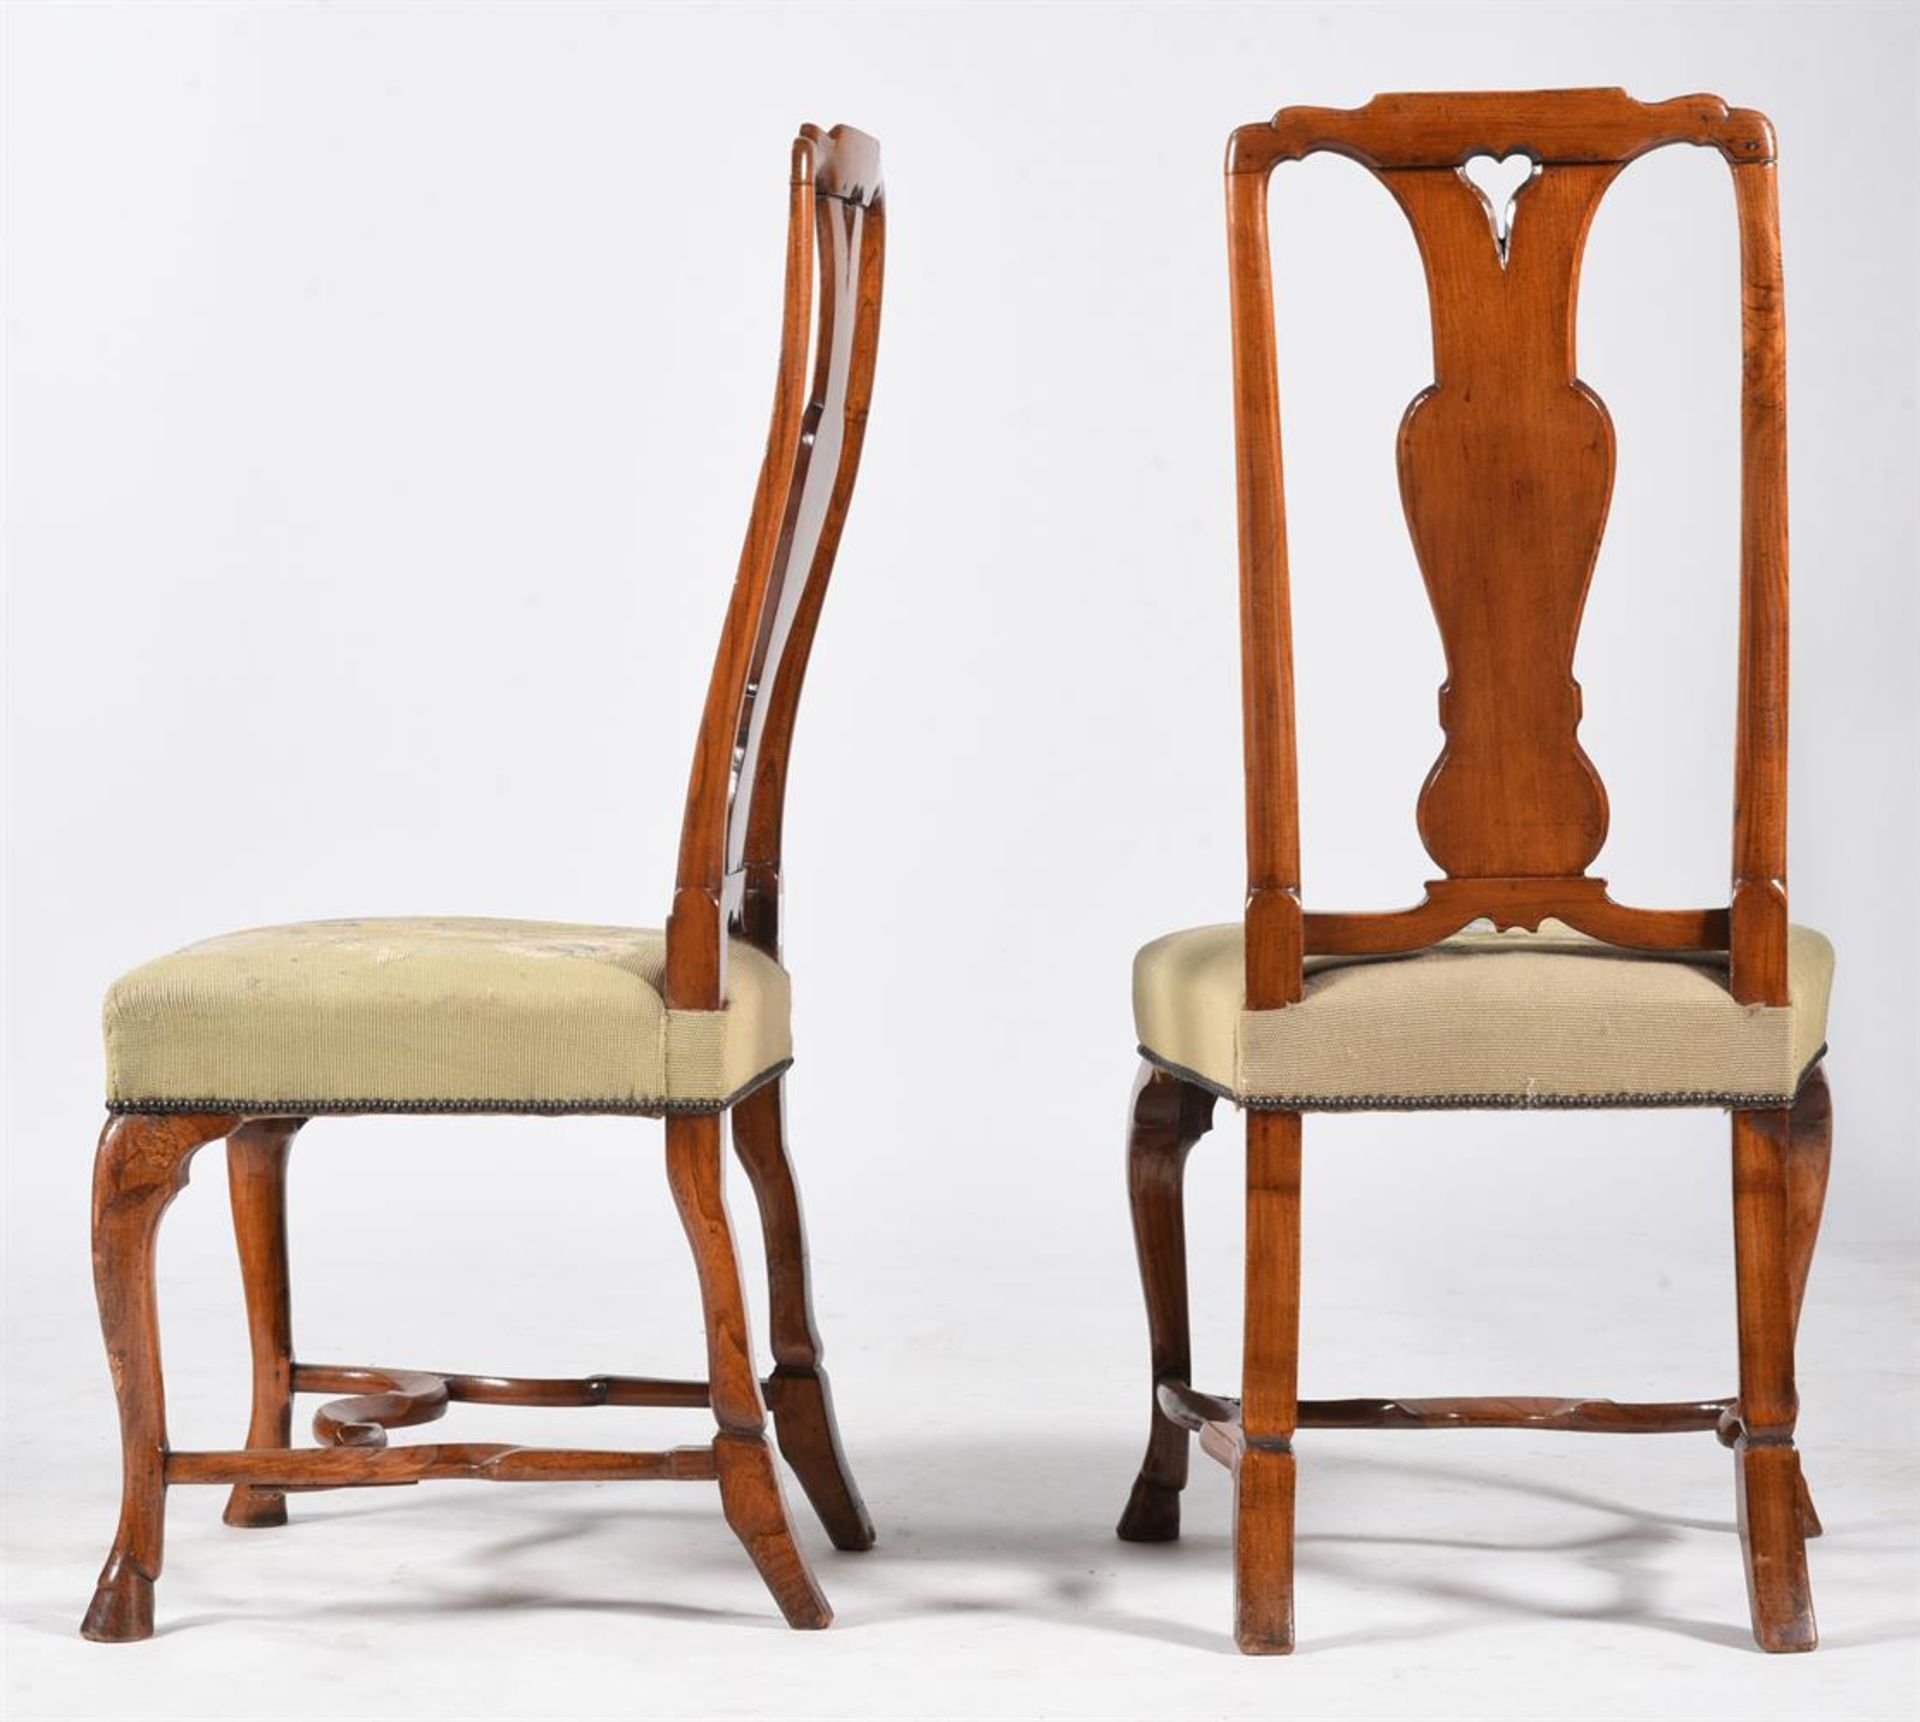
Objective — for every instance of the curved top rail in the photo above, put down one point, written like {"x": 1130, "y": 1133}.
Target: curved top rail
{"x": 1555, "y": 127}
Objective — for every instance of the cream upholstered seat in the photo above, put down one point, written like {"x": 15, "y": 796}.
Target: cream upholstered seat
{"x": 431, "y": 1015}
{"x": 1551, "y": 1018}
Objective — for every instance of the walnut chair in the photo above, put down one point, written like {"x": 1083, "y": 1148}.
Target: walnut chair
{"x": 247, "y": 1037}
{"x": 1571, "y": 999}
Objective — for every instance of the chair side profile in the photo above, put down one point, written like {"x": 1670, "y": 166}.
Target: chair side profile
{"x": 249, "y": 1036}
{"x": 1506, "y": 467}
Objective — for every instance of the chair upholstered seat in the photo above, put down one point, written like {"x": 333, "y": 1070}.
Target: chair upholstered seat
{"x": 429, "y": 1015}
{"x": 1492, "y": 1019}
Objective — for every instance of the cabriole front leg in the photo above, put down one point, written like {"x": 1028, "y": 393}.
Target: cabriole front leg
{"x": 139, "y": 1169}
{"x": 1166, "y": 1117}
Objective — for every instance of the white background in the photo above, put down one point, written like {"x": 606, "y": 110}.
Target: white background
{"x": 385, "y": 387}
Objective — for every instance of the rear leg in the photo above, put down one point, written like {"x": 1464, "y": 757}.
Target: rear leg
{"x": 257, "y": 1180}
{"x": 1263, "y": 1475}
{"x": 750, "y": 1493}
{"x": 802, "y": 1399}
{"x": 1809, "y": 1154}
{"x": 1767, "y": 1466}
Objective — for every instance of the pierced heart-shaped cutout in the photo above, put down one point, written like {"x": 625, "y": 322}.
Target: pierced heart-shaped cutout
{"x": 1499, "y": 181}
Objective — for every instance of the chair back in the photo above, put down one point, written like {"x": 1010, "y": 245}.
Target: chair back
{"x": 1506, "y": 467}
{"x": 729, "y": 872}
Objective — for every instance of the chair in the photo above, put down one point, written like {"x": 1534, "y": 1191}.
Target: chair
{"x": 247, "y": 1037}
{"x": 1568, "y": 998}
